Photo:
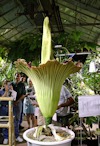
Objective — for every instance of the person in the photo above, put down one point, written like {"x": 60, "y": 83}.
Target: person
{"x": 2, "y": 91}
{"x": 24, "y": 80}
{"x": 63, "y": 110}
{"x": 7, "y": 91}
{"x": 19, "y": 87}
{"x": 28, "y": 108}
{"x": 38, "y": 114}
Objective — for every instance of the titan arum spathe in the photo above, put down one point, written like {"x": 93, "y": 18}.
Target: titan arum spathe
{"x": 49, "y": 76}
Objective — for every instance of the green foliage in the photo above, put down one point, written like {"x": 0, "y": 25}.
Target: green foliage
{"x": 91, "y": 120}
{"x": 74, "y": 119}
{"x": 7, "y": 70}
{"x": 73, "y": 42}
{"x": 28, "y": 47}
{"x": 3, "y": 52}
{"x": 92, "y": 79}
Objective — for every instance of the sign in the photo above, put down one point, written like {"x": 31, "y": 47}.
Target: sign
{"x": 89, "y": 105}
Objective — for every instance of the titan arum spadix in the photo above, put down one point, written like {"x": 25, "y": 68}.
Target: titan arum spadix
{"x": 49, "y": 76}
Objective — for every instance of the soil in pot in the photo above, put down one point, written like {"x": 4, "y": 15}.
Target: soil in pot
{"x": 47, "y": 136}
{"x": 41, "y": 141}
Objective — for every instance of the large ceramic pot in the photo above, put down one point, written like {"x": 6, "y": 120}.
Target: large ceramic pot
{"x": 66, "y": 142}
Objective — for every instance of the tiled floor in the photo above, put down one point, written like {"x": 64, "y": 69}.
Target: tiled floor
{"x": 22, "y": 144}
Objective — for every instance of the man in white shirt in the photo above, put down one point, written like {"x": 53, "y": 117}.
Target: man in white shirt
{"x": 63, "y": 111}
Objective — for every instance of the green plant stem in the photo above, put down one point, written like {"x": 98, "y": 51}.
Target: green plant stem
{"x": 85, "y": 130}
{"x": 48, "y": 120}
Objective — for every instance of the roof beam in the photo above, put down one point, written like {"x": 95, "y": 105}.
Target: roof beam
{"x": 81, "y": 24}
{"x": 7, "y": 11}
{"x": 53, "y": 13}
{"x": 57, "y": 16}
{"x": 14, "y": 28}
{"x": 83, "y": 6}
{"x": 74, "y": 9}
{"x": 32, "y": 12}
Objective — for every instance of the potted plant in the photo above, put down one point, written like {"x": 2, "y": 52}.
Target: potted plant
{"x": 91, "y": 134}
{"x": 85, "y": 131}
{"x": 80, "y": 132}
{"x": 47, "y": 79}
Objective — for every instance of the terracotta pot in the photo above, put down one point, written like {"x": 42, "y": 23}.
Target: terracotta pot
{"x": 66, "y": 142}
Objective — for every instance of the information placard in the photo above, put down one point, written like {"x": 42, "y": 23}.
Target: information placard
{"x": 89, "y": 105}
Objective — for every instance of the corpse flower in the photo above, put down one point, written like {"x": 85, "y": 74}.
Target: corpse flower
{"x": 49, "y": 76}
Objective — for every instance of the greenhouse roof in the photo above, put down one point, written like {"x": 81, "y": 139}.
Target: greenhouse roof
{"x": 18, "y": 17}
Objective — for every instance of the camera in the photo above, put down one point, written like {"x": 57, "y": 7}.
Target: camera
{"x": 10, "y": 94}
{"x": 29, "y": 90}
